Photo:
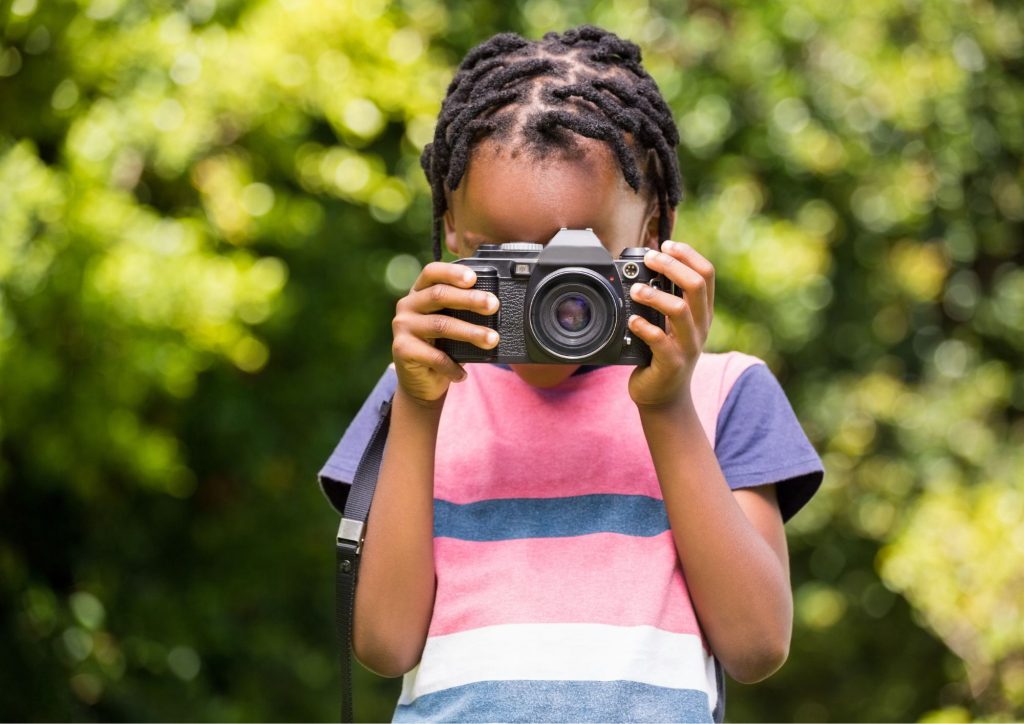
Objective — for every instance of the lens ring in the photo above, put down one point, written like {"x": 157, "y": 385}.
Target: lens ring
{"x": 573, "y": 283}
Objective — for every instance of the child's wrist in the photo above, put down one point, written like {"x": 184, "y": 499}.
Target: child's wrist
{"x": 680, "y": 405}
{"x": 417, "y": 403}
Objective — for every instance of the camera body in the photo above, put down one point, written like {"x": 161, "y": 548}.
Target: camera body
{"x": 566, "y": 302}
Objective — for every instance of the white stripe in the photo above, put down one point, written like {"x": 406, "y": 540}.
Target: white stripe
{"x": 562, "y": 652}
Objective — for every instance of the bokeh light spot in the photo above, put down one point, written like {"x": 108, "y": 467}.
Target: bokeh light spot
{"x": 184, "y": 662}
{"x": 402, "y": 270}
{"x": 257, "y": 199}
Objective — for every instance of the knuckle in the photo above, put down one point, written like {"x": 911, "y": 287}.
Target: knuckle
{"x": 656, "y": 333}
{"x": 401, "y": 321}
{"x": 437, "y": 293}
{"x": 437, "y": 358}
{"x": 440, "y": 324}
{"x": 677, "y": 307}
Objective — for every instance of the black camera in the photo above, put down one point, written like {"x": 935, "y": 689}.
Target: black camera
{"x": 566, "y": 302}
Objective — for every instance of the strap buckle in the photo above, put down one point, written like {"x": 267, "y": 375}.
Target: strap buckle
{"x": 350, "y": 535}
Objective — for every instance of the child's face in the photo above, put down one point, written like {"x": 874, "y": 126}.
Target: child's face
{"x": 502, "y": 198}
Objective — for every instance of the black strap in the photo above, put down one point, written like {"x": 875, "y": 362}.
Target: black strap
{"x": 345, "y": 602}
{"x": 350, "y": 546}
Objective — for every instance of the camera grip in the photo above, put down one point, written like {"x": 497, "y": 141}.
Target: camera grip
{"x": 486, "y": 280}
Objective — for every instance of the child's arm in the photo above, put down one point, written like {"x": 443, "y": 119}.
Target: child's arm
{"x": 731, "y": 544}
{"x": 395, "y": 595}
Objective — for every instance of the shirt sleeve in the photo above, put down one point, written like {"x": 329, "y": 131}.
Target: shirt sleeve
{"x": 337, "y": 473}
{"x": 759, "y": 441}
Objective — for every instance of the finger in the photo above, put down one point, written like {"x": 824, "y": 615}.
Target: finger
{"x": 664, "y": 350}
{"x": 440, "y": 272}
{"x": 442, "y": 326}
{"x": 695, "y": 261}
{"x": 689, "y": 280}
{"x": 444, "y": 296}
{"x": 676, "y": 310}
{"x": 408, "y": 349}
{"x": 684, "y": 277}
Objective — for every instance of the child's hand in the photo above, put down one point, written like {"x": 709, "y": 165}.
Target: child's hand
{"x": 675, "y": 349}
{"x": 424, "y": 372}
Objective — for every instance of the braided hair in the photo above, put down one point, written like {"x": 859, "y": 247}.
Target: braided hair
{"x": 583, "y": 82}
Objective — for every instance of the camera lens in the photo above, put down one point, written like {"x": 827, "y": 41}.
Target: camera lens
{"x": 573, "y": 314}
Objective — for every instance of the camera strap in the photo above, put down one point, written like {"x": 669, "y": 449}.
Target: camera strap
{"x": 351, "y": 533}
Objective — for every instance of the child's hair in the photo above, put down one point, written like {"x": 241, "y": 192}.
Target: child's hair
{"x": 586, "y": 81}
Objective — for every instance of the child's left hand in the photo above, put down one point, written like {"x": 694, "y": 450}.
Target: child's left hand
{"x": 666, "y": 381}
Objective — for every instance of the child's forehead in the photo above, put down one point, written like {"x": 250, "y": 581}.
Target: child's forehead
{"x": 510, "y": 193}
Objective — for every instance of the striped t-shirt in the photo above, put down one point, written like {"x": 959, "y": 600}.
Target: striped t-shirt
{"x": 560, "y": 596}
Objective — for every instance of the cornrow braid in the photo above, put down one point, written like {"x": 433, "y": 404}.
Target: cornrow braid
{"x": 584, "y": 82}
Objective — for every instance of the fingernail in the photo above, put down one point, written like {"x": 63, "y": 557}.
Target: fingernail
{"x": 467, "y": 277}
{"x": 492, "y": 302}
{"x": 492, "y": 338}
{"x": 643, "y": 291}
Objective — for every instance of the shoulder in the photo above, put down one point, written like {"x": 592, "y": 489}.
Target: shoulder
{"x": 724, "y": 368}
{"x": 339, "y": 469}
{"x": 758, "y": 439}
{"x": 714, "y": 378}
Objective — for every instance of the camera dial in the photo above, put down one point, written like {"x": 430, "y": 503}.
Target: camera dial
{"x": 522, "y": 246}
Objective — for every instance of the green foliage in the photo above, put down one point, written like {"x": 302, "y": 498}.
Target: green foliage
{"x": 206, "y": 212}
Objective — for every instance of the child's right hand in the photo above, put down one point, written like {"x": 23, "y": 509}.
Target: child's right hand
{"x": 424, "y": 372}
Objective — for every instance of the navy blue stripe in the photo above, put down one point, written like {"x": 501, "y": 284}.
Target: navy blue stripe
{"x": 558, "y": 701}
{"x": 512, "y": 518}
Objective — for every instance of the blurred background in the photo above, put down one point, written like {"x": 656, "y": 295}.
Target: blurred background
{"x": 208, "y": 209}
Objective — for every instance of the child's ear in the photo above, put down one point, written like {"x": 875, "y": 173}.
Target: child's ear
{"x": 450, "y": 239}
{"x": 653, "y": 223}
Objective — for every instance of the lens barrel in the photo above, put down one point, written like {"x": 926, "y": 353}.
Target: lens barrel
{"x": 573, "y": 314}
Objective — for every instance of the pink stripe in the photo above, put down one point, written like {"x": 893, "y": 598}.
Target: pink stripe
{"x": 600, "y": 578}
{"x": 580, "y": 443}
{"x": 576, "y": 442}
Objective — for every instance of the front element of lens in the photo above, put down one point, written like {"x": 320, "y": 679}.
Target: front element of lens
{"x": 573, "y": 313}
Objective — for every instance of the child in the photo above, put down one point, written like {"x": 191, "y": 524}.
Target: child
{"x": 560, "y": 542}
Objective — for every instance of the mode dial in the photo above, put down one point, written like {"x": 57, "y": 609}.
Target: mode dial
{"x": 522, "y": 246}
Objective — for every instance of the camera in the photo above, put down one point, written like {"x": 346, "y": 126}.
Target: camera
{"x": 566, "y": 302}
